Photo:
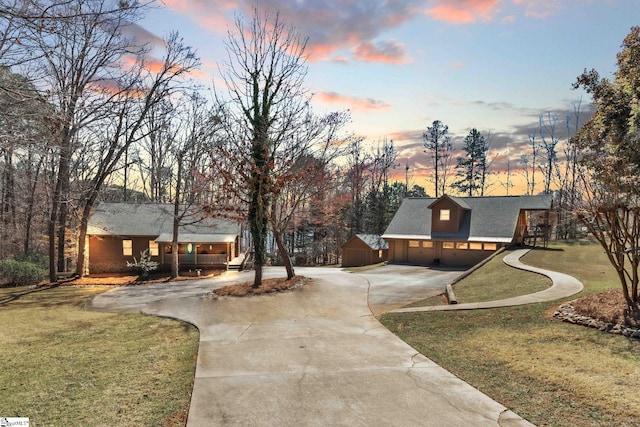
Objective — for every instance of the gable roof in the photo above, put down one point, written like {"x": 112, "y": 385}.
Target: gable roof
{"x": 374, "y": 241}
{"x": 457, "y": 200}
{"x": 489, "y": 219}
{"x": 155, "y": 219}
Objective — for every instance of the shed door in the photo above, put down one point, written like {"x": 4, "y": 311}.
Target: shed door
{"x": 354, "y": 257}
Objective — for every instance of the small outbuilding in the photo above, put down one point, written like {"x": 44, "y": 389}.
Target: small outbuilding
{"x": 364, "y": 249}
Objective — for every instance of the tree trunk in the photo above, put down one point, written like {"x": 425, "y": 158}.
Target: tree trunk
{"x": 63, "y": 193}
{"x": 175, "y": 268}
{"x": 84, "y": 224}
{"x": 82, "y": 238}
{"x": 284, "y": 254}
{"x": 33, "y": 180}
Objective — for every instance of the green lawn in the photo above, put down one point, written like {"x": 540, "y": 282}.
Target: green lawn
{"x": 551, "y": 373}
{"x": 62, "y": 365}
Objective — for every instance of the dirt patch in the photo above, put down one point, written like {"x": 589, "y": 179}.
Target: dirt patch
{"x": 609, "y": 306}
{"x": 267, "y": 286}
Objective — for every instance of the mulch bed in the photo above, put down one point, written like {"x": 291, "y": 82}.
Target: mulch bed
{"x": 267, "y": 286}
{"x": 609, "y": 306}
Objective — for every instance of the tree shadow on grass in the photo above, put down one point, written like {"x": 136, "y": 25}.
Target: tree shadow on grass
{"x": 546, "y": 249}
{"x": 6, "y": 299}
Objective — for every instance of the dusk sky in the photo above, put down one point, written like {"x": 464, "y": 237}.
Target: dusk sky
{"x": 398, "y": 65}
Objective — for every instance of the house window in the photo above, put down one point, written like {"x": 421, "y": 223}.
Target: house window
{"x": 445, "y": 214}
{"x": 127, "y": 247}
{"x": 462, "y": 245}
{"x": 427, "y": 244}
{"x": 490, "y": 246}
{"x": 475, "y": 246}
{"x": 414, "y": 243}
{"x": 447, "y": 245}
{"x": 153, "y": 248}
{"x": 379, "y": 253}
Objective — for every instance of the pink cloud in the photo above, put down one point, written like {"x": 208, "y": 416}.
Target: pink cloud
{"x": 463, "y": 11}
{"x": 390, "y": 52}
{"x": 331, "y": 25}
{"x": 459, "y": 64}
{"x": 354, "y": 104}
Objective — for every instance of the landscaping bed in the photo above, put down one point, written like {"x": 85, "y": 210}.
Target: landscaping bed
{"x": 267, "y": 286}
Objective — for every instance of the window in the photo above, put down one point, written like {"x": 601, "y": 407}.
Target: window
{"x": 153, "y": 248}
{"x": 414, "y": 243}
{"x": 127, "y": 247}
{"x": 445, "y": 214}
{"x": 490, "y": 246}
{"x": 447, "y": 245}
{"x": 379, "y": 253}
{"x": 475, "y": 246}
{"x": 462, "y": 245}
{"x": 427, "y": 244}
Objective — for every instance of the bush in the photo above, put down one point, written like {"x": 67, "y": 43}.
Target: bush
{"x": 37, "y": 258}
{"x": 20, "y": 272}
{"x": 144, "y": 266}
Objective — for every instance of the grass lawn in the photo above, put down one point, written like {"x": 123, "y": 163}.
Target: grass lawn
{"x": 62, "y": 365}
{"x": 549, "y": 372}
{"x": 491, "y": 282}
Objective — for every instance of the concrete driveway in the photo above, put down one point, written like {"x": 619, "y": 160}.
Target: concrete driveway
{"x": 314, "y": 356}
{"x": 394, "y": 286}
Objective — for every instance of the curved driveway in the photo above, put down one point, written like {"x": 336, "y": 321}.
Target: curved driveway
{"x": 562, "y": 286}
{"x": 315, "y": 356}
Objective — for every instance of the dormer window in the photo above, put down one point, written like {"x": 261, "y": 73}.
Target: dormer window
{"x": 445, "y": 214}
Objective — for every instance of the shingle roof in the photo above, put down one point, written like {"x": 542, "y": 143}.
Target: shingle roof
{"x": 374, "y": 241}
{"x": 488, "y": 218}
{"x": 152, "y": 219}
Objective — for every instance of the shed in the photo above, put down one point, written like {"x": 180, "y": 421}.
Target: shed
{"x": 364, "y": 249}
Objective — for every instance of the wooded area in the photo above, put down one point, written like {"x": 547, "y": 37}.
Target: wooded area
{"x": 94, "y": 108}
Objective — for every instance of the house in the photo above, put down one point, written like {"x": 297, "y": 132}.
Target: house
{"x": 364, "y": 249}
{"x": 118, "y": 232}
{"x": 461, "y": 231}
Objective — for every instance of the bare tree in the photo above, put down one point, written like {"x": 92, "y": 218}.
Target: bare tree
{"x": 299, "y": 167}
{"x": 78, "y": 56}
{"x": 124, "y": 127}
{"x": 358, "y": 162}
{"x": 264, "y": 75}
{"x": 530, "y": 165}
{"x": 437, "y": 142}
{"x": 549, "y": 142}
{"x": 507, "y": 184}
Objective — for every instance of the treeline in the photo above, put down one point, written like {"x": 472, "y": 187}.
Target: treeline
{"x": 93, "y": 108}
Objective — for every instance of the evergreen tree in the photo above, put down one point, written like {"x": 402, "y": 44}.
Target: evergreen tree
{"x": 470, "y": 169}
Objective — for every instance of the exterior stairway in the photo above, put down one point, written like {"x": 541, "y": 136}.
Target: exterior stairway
{"x": 236, "y": 264}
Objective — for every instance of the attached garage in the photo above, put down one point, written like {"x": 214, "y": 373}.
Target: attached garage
{"x": 461, "y": 231}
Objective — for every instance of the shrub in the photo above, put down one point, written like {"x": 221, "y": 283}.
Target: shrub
{"x": 144, "y": 266}
{"x": 20, "y": 272}
{"x": 37, "y": 258}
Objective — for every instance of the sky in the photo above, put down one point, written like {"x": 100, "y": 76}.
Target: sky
{"x": 399, "y": 65}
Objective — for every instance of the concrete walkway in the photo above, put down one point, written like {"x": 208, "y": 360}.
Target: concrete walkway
{"x": 314, "y": 356}
{"x": 563, "y": 286}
